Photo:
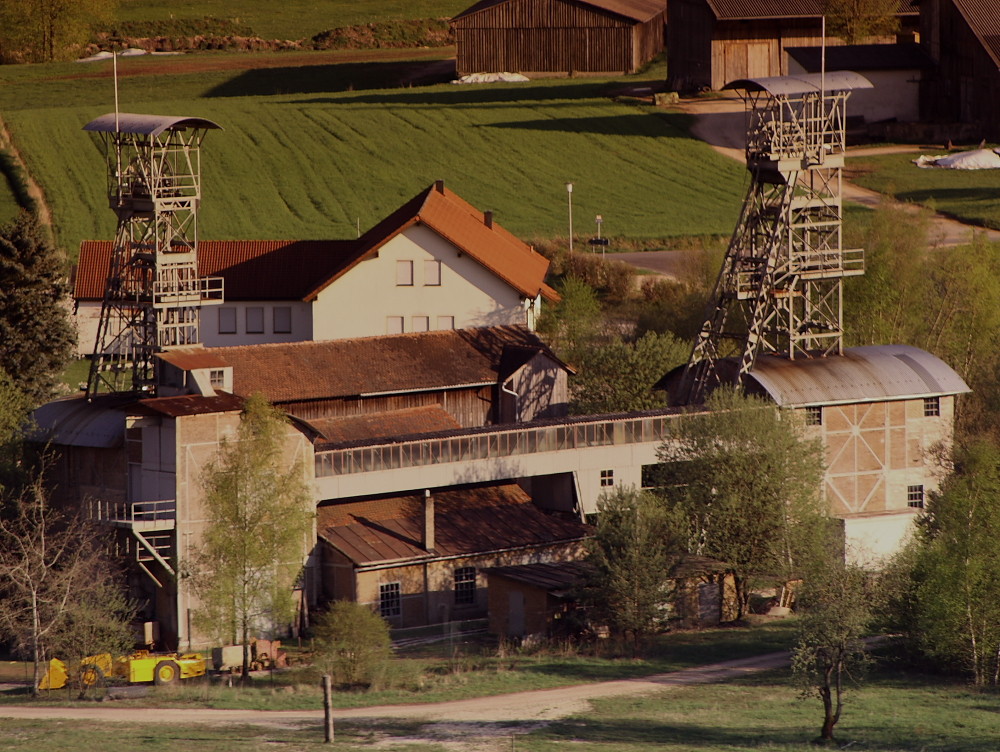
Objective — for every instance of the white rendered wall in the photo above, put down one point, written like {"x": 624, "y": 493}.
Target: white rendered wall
{"x": 870, "y": 540}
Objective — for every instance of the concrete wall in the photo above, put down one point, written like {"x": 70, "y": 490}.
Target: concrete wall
{"x": 871, "y": 539}
{"x": 469, "y": 293}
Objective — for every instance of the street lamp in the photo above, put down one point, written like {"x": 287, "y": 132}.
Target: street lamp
{"x": 569, "y": 198}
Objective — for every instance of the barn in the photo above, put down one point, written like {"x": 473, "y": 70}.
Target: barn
{"x": 546, "y": 37}
{"x": 963, "y": 38}
{"x": 713, "y": 42}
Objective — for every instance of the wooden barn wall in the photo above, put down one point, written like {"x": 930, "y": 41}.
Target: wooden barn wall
{"x": 470, "y": 407}
{"x": 689, "y": 45}
{"x": 554, "y": 36}
{"x": 965, "y": 87}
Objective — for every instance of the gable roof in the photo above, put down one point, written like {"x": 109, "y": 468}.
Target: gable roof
{"x": 302, "y": 269}
{"x": 461, "y": 224}
{"x": 636, "y": 10}
{"x": 472, "y": 520}
{"x": 983, "y": 17}
{"x": 368, "y": 366}
{"x": 746, "y": 10}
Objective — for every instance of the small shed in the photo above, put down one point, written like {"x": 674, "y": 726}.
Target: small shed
{"x": 559, "y": 36}
{"x": 532, "y": 599}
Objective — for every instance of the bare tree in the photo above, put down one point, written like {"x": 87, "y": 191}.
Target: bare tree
{"x": 857, "y": 20}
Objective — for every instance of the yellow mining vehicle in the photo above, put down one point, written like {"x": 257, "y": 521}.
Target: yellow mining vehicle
{"x": 137, "y": 667}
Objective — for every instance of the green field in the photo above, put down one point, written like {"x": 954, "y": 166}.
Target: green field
{"x": 306, "y": 153}
{"x": 968, "y": 195}
{"x": 292, "y": 19}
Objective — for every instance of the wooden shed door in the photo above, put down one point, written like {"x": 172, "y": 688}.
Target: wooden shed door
{"x": 747, "y": 60}
{"x": 515, "y": 613}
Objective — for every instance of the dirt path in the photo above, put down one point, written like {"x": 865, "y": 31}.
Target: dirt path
{"x": 721, "y": 123}
{"x": 535, "y": 707}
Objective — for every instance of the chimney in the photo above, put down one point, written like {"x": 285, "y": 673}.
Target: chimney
{"x": 428, "y": 521}
{"x": 488, "y": 219}
{"x": 439, "y": 186}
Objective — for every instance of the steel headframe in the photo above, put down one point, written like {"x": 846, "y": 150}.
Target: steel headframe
{"x": 153, "y": 294}
{"x": 780, "y": 290}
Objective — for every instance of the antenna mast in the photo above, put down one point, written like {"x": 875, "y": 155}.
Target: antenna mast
{"x": 153, "y": 295}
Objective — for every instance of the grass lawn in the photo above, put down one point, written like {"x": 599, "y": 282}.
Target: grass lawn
{"x": 306, "y": 154}
{"x": 968, "y": 195}
{"x": 292, "y": 19}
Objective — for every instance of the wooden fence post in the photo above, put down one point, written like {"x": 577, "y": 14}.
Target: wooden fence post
{"x": 327, "y": 711}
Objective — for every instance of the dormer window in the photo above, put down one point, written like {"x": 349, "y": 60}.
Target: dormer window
{"x": 217, "y": 378}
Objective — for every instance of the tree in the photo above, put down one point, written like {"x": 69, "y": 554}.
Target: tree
{"x": 956, "y": 574}
{"x": 746, "y": 480}
{"x": 632, "y": 553}
{"x": 14, "y": 409}
{"x": 857, "y": 20}
{"x": 40, "y": 30}
{"x": 35, "y": 329}
{"x": 618, "y": 376}
{"x": 259, "y": 522}
{"x": 52, "y": 574}
{"x": 575, "y": 321}
{"x": 352, "y": 643}
{"x": 835, "y": 611}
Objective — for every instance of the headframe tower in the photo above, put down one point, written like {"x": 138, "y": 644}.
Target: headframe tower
{"x": 780, "y": 290}
{"x": 153, "y": 295}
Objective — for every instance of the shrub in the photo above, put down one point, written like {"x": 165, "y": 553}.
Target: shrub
{"x": 352, "y": 645}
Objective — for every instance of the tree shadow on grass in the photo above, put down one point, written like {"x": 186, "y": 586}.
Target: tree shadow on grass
{"x": 497, "y": 94}
{"x": 690, "y": 735}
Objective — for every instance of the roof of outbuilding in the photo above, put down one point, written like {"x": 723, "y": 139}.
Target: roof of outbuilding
{"x": 145, "y": 125}
{"x": 298, "y": 371}
{"x": 556, "y": 577}
{"x": 803, "y": 83}
{"x": 302, "y": 269}
{"x": 983, "y": 18}
{"x": 472, "y": 520}
{"x": 392, "y": 423}
{"x": 761, "y": 9}
{"x": 862, "y": 374}
{"x": 862, "y": 57}
{"x": 637, "y": 10}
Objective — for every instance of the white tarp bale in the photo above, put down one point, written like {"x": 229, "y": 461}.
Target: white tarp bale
{"x": 977, "y": 159}
{"x": 491, "y": 78}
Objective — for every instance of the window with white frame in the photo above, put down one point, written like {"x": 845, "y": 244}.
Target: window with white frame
{"x": 421, "y": 323}
{"x": 217, "y": 378}
{"x": 607, "y": 478}
{"x": 389, "y": 600}
{"x": 932, "y": 407}
{"x": 432, "y": 273}
{"x": 915, "y": 496}
{"x": 227, "y": 321}
{"x": 814, "y": 415}
{"x": 404, "y": 274}
{"x": 282, "y": 319}
{"x": 465, "y": 586}
{"x": 446, "y": 322}
{"x": 255, "y": 320}
{"x": 393, "y": 324}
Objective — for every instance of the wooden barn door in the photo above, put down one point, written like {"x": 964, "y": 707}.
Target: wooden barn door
{"x": 747, "y": 60}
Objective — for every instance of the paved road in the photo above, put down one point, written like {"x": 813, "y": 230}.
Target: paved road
{"x": 538, "y": 706}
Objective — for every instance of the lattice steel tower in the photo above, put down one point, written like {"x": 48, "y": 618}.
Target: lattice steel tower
{"x": 780, "y": 289}
{"x": 153, "y": 295}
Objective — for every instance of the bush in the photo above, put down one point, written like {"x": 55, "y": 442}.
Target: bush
{"x": 352, "y": 645}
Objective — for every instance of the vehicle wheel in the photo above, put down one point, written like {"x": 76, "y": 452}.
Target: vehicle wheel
{"x": 91, "y": 676}
{"x": 166, "y": 672}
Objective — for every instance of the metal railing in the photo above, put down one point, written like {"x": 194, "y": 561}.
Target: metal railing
{"x": 495, "y": 443}
{"x": 136, "y": 511}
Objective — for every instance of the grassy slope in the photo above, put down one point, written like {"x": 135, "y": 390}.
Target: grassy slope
{"x": 290, "y": 19}
{"x": 310, "y": 161}
{"x": 969, "y": 195}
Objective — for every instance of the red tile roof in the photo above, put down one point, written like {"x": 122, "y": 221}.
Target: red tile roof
{"x": 407, "y": 422}
{"x": 983, "y": 17}
{"x": 301, "y": 269}
{"x": 464, "y": 226}
{"x": 252, "y": 269}
{"x": 637, "y": 10}
{"x": 467, "y": 521}
{"x": 298, "y": 371}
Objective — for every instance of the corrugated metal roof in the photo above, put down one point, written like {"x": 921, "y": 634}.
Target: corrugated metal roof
{"x": 636, "y": 10}
{"x": 554, "y": 577}
{"x": 737, "y": 10}
{"x": 903, "y": 56}
{"x": 390, "y": 364}
{"x": 471, "y": 520}
{"x": 861, "y": 374}
{"x": 407, "y": 422}
{"x": 193, "y": 404}
{"x": 145, "y": 125}
{"x": 76, "y": 422}
{"x": 803, "y": 83}
{"x": 983, "y": 17}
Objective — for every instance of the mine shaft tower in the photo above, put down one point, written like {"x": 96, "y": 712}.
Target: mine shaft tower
{"x": 780, "y": 290}
{"x": 153, "y": 295}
